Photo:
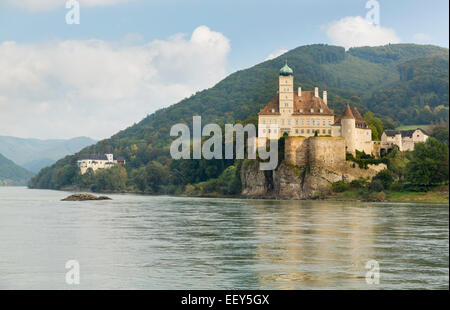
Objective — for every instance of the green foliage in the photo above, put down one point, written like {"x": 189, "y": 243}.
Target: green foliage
{"x": 420, "y": 97}
{"x": 376, "y": 186}
{"x": 385, "y": 177}
{"x": 375, "y": 124}
{"x": 396, "y": 162}
{"x": 429, "y": 163}
{"x": 340, "y": 186}
{"x": 441, "y": 134}
{"x": 364, "y": 160}
{"x": 12, "y": 174}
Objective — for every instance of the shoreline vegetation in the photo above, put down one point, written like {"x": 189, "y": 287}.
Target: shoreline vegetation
{"x": 437, "y": 195}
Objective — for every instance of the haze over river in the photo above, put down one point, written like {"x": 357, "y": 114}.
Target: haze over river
{"x": 160, "y": 242}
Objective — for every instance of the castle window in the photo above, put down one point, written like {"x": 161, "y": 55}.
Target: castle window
{"x": 303, "y": 122}
{"x": 264, "y": 131}
{"x": 296, "y": 130}
{"x": 313, "y": 122}
{"x": 329, "y": 122}
{"x": 329, "y": 131}
{"x": 269, "y": 130}
{"x": 289, "y": 121}
{"x": 312, "y": 110}
{"x": 323, "y": 131}
{"x": 307, "y": 122}
{"x": 307, "y": 130}
{"x": 282, "y": 122}
{"x": 300, "y": 110}
{"x": 273, "y": 110}
{"x": 323, "y": 123}
{"x": 321, "y": 111}
{"x": 296, "y": 122}
{"x": 303, "y": 131}
{"x": 264, "y": 122}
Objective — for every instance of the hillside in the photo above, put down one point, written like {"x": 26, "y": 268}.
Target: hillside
{"x": 34, "y": 154}
{"x": 12, "y": 174}
{"x": 350, "y": 77}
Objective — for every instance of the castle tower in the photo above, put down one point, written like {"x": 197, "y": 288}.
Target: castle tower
{"x": 348, "y": 124}
{"x": 286, "y": 90}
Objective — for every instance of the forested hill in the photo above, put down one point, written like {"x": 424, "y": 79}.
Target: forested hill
{"x": 358, "y": 76}
{"x": 12, "y": 174}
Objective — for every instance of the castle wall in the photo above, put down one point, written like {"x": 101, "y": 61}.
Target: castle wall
{"x": 296, "y": 150}
{"x": 314, "y": 151}
{"x": 326, "y": 151}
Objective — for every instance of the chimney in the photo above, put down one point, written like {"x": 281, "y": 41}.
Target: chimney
{"x": 325, "y": 97}
{"x": 299, "y": 91}
{"x": 316, "y": 92}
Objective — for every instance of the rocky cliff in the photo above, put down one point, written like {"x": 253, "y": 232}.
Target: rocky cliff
{"x": 293, "y": 182}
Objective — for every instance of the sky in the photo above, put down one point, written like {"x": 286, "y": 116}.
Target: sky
{"x": 128, "y": 58}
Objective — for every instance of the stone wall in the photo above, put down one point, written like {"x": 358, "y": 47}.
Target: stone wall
{"x": 314, "y": 151}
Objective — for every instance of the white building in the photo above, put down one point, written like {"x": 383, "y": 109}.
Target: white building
{"x": 404, "y": 139}
{"x": 96, "y": 161}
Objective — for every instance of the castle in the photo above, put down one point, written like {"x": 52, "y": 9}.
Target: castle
{"x": 96, "y": 161}
{"x": 305, "y": 114}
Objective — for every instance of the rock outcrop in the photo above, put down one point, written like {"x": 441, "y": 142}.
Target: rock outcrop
{"x": 293, "y": 182}
{"x": 84, "y": 197}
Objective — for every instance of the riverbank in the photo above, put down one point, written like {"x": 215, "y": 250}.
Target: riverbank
{"x": 437, "y": 195}
{"x": 389, "y": 196}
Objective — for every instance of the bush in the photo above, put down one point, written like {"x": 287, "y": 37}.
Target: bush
{"x": 386, "y": 178}
{"x": 376, "y": 186}
{"x": 340, "y": 186}
{"x": 359, "y": 183}
{"x": 377, "y": 196}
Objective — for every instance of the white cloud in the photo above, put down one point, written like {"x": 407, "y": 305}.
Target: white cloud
{"x": 276, "y": 53}
{"x": 95, "y": 88}
{"x": 45, "y": 5}
{"x": 356, "y": 31}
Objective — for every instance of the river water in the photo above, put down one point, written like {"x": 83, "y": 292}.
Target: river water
{"x": 147, "y": 242}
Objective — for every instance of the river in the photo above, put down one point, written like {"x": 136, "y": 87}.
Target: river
{"x": 161, "y": 242}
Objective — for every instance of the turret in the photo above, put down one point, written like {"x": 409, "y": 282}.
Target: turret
{"x": 348, "y": 130}
{"x": 325, "y": 99}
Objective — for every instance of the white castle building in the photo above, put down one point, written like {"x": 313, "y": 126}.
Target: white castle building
{"x": 96, "y": 161}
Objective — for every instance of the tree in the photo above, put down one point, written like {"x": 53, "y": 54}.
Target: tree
{"x": 385, "y": 177}
{"x": 429, "y": 163}
{"x": 375, "y": 124}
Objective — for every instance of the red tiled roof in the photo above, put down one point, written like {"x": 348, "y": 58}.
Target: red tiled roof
{"x": 347, "y": 113}
{"x": 304, "y": 103}
{"x": 359, "y": 120}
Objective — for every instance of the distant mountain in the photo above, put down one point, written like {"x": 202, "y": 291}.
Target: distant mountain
{"x": 12, "y": 174}
{"x": 367, "y": 77}
{"x": 34, "y": 154}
